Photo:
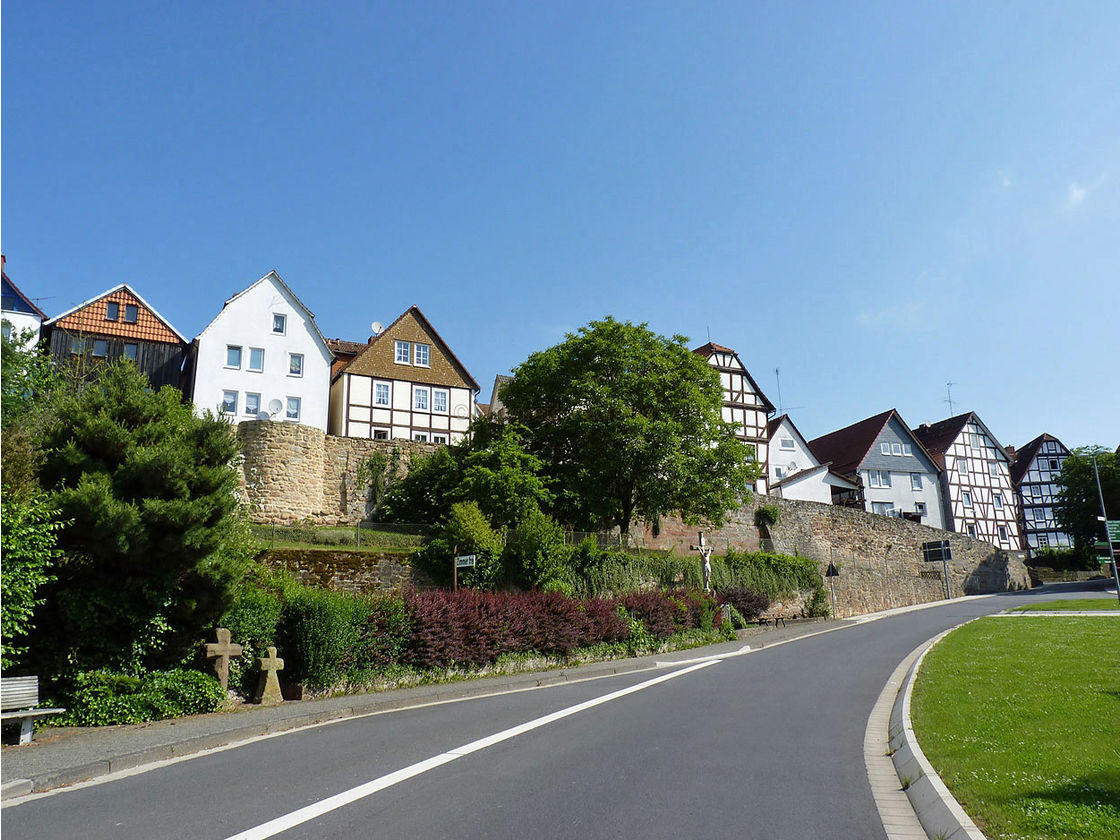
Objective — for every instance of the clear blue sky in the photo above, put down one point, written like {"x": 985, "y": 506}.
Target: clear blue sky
{"x": 874, "y": 198}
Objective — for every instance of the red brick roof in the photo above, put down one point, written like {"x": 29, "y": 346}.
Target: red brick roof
{"x": 89, "y": 318}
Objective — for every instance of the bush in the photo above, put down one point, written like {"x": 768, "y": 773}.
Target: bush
{"x": 748, "y": 603}
{"x": 252, "y": 621}
{"x": 773, "y": 575}
{"x": 319, "y": 633}
{"x": 767, "y": 515}
{"x": 466, "y": 531}
{"x": 101, "y": 698}
{"x": 535, "y": 552}
{"x": 28, "y": 527}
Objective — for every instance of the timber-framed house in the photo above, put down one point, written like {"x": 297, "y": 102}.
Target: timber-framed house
{"x": 404, "y": 384}
{"x": 975, "y": 479}
{"x": 1036, "y": 475}
{"x": 744, "y": 404}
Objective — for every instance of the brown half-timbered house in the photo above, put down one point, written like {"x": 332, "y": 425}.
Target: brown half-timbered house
{"x": 405, "y": 383}
{"x": 744, "y": 404}
{"x": 118, "y": 324}
{"x": 975, "y": 479}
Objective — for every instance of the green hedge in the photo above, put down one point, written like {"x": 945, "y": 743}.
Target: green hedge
{"x": 100, "y": 698}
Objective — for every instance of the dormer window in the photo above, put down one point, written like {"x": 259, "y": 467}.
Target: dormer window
{"x": 403, "y": 353}
{"x": 112, "y": 311}
{"x": 279, "y": 323}
{"x": 131, "y": 313}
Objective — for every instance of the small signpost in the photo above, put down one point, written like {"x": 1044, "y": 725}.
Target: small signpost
{"x": 832, "y": 573}
{"x": 461, "y": 561}
{"x": 1111, "y": 529}
{"x": 939, "y": 551}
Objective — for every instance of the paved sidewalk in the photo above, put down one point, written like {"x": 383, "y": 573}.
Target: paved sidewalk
{"x": 64, "y": 756}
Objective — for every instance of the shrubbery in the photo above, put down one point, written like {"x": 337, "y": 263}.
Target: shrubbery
{"x": 749, "y": 603}
{"x": 100, "y": 698}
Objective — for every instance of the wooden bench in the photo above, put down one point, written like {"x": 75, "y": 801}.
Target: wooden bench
{"x": 18, "y": 698}
{"x": 766, "y": 619}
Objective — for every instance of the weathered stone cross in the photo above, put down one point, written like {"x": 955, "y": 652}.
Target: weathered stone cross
{"x": 269, "y": 689}
{"x": 221, "y": 654}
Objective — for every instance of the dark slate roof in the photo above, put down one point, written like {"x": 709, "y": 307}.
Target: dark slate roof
{"x": 344, "y": 347}
{"x": 1024, "y": 456}
{"x": 938, "y": 437}
{"x": 846, "y": 448}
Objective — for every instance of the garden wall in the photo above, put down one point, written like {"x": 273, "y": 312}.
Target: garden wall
{"x": 349, "y": 571}
{"x": 879, "y": 558}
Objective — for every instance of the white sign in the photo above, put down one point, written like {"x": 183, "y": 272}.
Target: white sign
{"x": 465, "y": 561}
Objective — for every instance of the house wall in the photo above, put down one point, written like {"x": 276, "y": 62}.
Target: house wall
{"x": 901, "y": 493}
{"x": 19, "y": 321}
{"x": 806, "y": 486}
{"x": 967, "y": 471}
{"x": 1038, "y": 496}
{"x": 247, "y": 322}
{"x": 357, "y": 413}
{"x": 159, "y": 361}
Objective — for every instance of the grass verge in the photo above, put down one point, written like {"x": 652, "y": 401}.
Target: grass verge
{"x": 1072, "y": 604}
{"x": 1022, "y": 721}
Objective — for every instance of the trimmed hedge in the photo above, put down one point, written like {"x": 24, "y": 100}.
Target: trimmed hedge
{"x": 100, "y": 698}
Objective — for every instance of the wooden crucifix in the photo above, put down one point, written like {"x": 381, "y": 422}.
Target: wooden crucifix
{"x": 221, "y": 653}
{"x": 705, "y": 550}
{"x": 269, "y": 687}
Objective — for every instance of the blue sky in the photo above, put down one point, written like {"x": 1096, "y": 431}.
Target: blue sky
{"x": 874, "y": 198}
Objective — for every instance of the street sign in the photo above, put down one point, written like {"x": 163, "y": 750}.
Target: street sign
{"x": 1114, "y": 530}
{"x": 938, "y": 551}
{"x": 831, "y": 571}
{"x": 465, "y": 561}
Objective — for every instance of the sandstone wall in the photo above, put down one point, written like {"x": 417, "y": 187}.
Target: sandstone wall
{"x": 349, "y": 571}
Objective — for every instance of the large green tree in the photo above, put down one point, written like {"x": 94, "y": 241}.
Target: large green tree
{"x": 146, "y": 488}
{"x": 628, "y": 425}
{"x": 1079, "y": 503}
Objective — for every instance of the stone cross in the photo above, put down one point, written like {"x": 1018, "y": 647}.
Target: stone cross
{"x": 221, "y": 654}
{"x": 705, "y": 550}
{"x": 269, "y": 688}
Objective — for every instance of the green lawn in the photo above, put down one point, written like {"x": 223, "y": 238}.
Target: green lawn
{"x": 1022, "y": 721}
{"x": 384, "y": 539}
{"x": 1073, "y": 604}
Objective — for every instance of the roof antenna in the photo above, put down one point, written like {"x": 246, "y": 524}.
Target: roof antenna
{"x": 781, "y": 410}
{"x": 709, "y": 329}
{"x": 949, "y": 391}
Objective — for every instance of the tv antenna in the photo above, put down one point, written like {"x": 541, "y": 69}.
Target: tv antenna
{"x": 781, "y": 409}
{"x": 949, "y": 399}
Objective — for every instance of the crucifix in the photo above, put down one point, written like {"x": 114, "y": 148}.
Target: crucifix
{"x": 705, "y": 550}
{"x": 269, "y": 688}
{"x": 221, "y": 653}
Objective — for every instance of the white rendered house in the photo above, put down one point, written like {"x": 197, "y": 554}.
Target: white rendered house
{"x": 20, "y": 314}
{"x": 795, "y": 472}
{"x": 263, "y": 357}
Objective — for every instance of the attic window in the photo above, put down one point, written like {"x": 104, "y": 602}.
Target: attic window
{"x": 786, "y": 443}
{"x": 131, "y": 312}
{"x": 279, "y": 324}
{"x": 403, "y": 353}
{"x": 423, "y": 355}
{"x": 112, "y": 311}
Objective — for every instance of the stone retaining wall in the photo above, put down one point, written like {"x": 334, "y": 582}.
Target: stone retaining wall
{"x": 349, "y": 571}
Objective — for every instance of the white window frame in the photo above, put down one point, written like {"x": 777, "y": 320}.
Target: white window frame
{"x": 908, "y": 449}
{"x": 288, "y": 408}
{"x": 970, "y": 530}
{"x": 292, "y": 363}
{"x": 966, "y": 499}
{"x": 377, "y": 389}
{"x": 896, "y": 449}
{"x": 1002, "y": 531}
{"x": 879, "y": 478}
{"x": 252, "y": 369}
{"x": 420, "y": 437}
{"x": 440, "y": 392}
{"x": 997, "y": 500}
{"x": 283, "y": 323}
{"x": 402, "y": 352}
{"x": 916, "y": 481}
{"x": 228, "y": 406}
{"x": 440, "y": 439}
{"x": 380, "y": 434}
{"x": 779, "y": 473}
{"x": 240, "y": 352}
{"x": 427, "y": 363}
{"x": 782, "y": 443}
{"x": 920, "y": 508}
{"x": 993, "y": 469}
{"x": 249, "y": 413}
{"x": 416, "y": 394}
{"x": 885, "y": 448}
{"x": 883, "y": 508}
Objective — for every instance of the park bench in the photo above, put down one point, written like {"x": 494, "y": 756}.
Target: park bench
{"x": 18, "y": 698}
{"x": 766, "y": 619}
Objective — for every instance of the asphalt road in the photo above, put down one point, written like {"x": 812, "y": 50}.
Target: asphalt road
{"x": 767, "y": 745}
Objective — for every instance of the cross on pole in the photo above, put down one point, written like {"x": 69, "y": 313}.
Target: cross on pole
{"x": 269, "y": 689}
{"x": 221, "y": 654}
{"x": 706, "y": 559}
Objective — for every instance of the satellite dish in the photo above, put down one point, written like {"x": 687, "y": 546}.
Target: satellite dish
{"x": 274, "y": 407}
{"x": 792, "y": 466}
{"x": 376, "y": 327}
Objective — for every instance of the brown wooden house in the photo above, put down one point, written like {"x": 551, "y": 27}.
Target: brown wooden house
{"x": 118, "y": 324}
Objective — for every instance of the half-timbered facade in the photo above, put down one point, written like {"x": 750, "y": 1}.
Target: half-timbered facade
{"x": 1036, "y": 475}
{"x": 406, "y": 383}
{"x": 117, "y": 324}
{"x": 975, "y": 479}
{"x": 895, "y": 473}
{"x": 744, "y": 404}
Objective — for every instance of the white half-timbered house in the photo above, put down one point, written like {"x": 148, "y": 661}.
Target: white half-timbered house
{"x": 744, "y": 404}
{"x": 404, "y": 384}
{"x": 1036, "y": 475}
{"x": 975, "y": 479}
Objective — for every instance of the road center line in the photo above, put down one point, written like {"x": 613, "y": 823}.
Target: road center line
{"x": 331, "y": 803}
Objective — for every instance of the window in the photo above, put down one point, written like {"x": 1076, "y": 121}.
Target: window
{"x": 439, "y": 438}
{"x": 233, "y": 356}
{"x": 77, "y": 346}
{"x": 975, "y": 439}
{"x": 130, "y": 351}
{"x": 920, "y": 508}
{"x": 380, "y": 394}
{"x": 993, "y": 469}
{"x": 997, "y": 500}
{"x": 256, "y": 359}
{"x": 967, "y": 499}
{"x": 896, "y": 448}
{"x": 279, "y": 323}
{"x": 229, "y": 402}
{"x": 879, "y": 478}
{"x": 970, "y": 529}
{"x": 380, "y": 434}
{"x": 131, "y": 312}
{"x": 420, "y": 399}
{"x": 1054, "y": 465}
{"x": 962, "y": 467}
{"x": 422, "y": 437}
{"x": 779, "y": 472}
{"x": 439, "y": 401}
{"x": 785, "y": 443}
{"x": 423, "y": 354}
{"x": 404, "y": 353}
{"x": 112, "y": 311}
{"x": 915, "y": 481}
{"x": 100, "y": 347}
{"x": 1039, "y": 514}
{"x": 885, "y": 448}
{"x": 295, "y": 364}
{"x": 252, "y": 404}
{"x": 883, "y": 508}
{"x": 6, "y": 329}
{"x": 1003, "y": 532}
{"x": 1043, "y": 541}
{"x": 907, "y": 449}
{"x": 293, "y": 408}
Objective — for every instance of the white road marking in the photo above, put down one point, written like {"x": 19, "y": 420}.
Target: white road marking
{"x": 331, "y": 803}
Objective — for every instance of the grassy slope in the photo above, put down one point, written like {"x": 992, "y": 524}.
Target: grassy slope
{"x": 1073, "y": 604}
{"x": 1022, "y": 721}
